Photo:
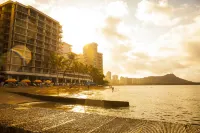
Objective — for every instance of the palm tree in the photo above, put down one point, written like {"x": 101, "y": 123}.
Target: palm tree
{"x": 76, "y": 68}
{"x": 57, "y": 62}
{"x": 86, "y": 69}
{"x": 68, "y": 66}
{"x": 96, "y": 75}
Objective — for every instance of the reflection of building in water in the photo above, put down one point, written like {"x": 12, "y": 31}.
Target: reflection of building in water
{"x": 27, "y": 37}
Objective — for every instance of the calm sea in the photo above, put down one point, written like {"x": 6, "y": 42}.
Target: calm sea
{"x": 177, "y": 104}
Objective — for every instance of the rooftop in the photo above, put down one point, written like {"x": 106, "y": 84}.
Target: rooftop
{"x": 28, "y": 6}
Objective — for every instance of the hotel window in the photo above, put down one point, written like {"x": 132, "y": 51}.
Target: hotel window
{"x": 20, "y": 22}
{"x": 20, "y": 30}
{"x": 31, "y": 34}
{"x": 33, "y": 13}
{"x": 20, "y": 38}
{"x": 30, "y": 40}
{"x": 40, "y": 17}
{"x": 21, "y": 16}
{"x": 22, "y": 9}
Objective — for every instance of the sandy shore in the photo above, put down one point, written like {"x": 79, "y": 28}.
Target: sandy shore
{"x": 10, "y": 98}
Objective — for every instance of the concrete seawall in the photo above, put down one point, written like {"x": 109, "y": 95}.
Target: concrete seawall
{"x": 18, "y": 119}
{"x": 68, "y": 100}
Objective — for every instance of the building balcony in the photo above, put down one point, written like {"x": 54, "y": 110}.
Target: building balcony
{"x": 55, "y": 28}
{"x": 61, "y": 31}
{"x": 6, "y": 18}
{"x": 48, "y": 29}
{"x": 48, "y": 37}
{"x": 21, "y": 25}
{"x": 41, "y": 33}
{"x": 60, "y": 35}
{"x": 33, "y": 15}
{"x": 20, "y": 33}
{"x": 20, "y": 19}
{"x": 33, "y": 30}
{"x": 21, "y": 41}
{"x": 40, "y": 39}
{"x": 32, "y": 43}
{"x": 41, "y": 26}
{"x": 48, "y": 24}
{"x": 39, "y": 45}
{"x": 4, "y": 25}
{"x": 24, "y": 12}
{"x": 42, "y": 19}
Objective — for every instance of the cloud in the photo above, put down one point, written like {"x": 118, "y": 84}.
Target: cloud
{"x": 157, "y": 13}
{"x": 165, "y": 65}
{"x": 127, "y": 54}
{"x": 115, "y": 13}
{"x": 117, "y": 9}
{"x": 141, "y": 55}
{"x": 192, "y": 48}
{"x": 117, "y": 34}
{"x": 181, "y": 45}
{"x": 110, "y": 29}
{"x": 141, "y": 64}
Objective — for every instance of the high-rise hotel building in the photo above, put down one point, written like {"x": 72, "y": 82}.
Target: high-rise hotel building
{"x": 27, "y": 37}
{"x": 92, "y": 56}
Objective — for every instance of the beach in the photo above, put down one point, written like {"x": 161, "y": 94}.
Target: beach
{"x": 179, "y": 104}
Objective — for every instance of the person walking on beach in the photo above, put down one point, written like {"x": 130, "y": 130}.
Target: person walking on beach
{"x": 113, "y": 89}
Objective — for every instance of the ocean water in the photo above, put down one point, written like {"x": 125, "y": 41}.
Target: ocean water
{"x": 176, "y": 104}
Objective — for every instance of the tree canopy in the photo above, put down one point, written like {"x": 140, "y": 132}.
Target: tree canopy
{"x": 69, "y": 63}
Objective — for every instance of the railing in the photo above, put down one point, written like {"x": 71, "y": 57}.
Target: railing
{"x": 20, "y": 23}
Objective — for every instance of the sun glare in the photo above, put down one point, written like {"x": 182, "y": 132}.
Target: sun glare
{"x": 80, "y": 26}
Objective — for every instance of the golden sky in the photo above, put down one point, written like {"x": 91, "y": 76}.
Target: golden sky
{"x": 137, "y": 37}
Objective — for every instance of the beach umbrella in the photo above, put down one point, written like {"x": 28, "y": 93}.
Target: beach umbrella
{"x": 38, "y": 81}
{"x": 11, "y": 80}
{"x": 48, "y": 81}
{"x": 26, "y": 81}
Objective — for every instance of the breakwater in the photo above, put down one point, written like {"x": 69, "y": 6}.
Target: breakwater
{"x": 81, "y": 101}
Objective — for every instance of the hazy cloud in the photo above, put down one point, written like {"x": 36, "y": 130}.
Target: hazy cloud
{"x": 183, "y": 41}
{"x": 110, "y": 29}
{"x": 117, "y": 8}
{"x": 141, "y": 55}
{"x": 157, "y": 13}
{"x": 193, "y": 50}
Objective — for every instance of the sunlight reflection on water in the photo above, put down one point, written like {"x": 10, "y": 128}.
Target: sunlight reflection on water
{"x": 78, "y": 108}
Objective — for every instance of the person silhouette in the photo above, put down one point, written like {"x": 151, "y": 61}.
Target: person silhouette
{"x": 113, "y": 89}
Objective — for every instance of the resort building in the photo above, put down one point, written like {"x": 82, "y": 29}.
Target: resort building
{"x": 100, "y": 62}
{"x": 66, "y": 48}
{"x": 92, "y": 56}
{"x": 115, "y": 80}
{"x": 123, "y": 80}
{"x": 108, "y": 76}
{"x": 27, "y": 37}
